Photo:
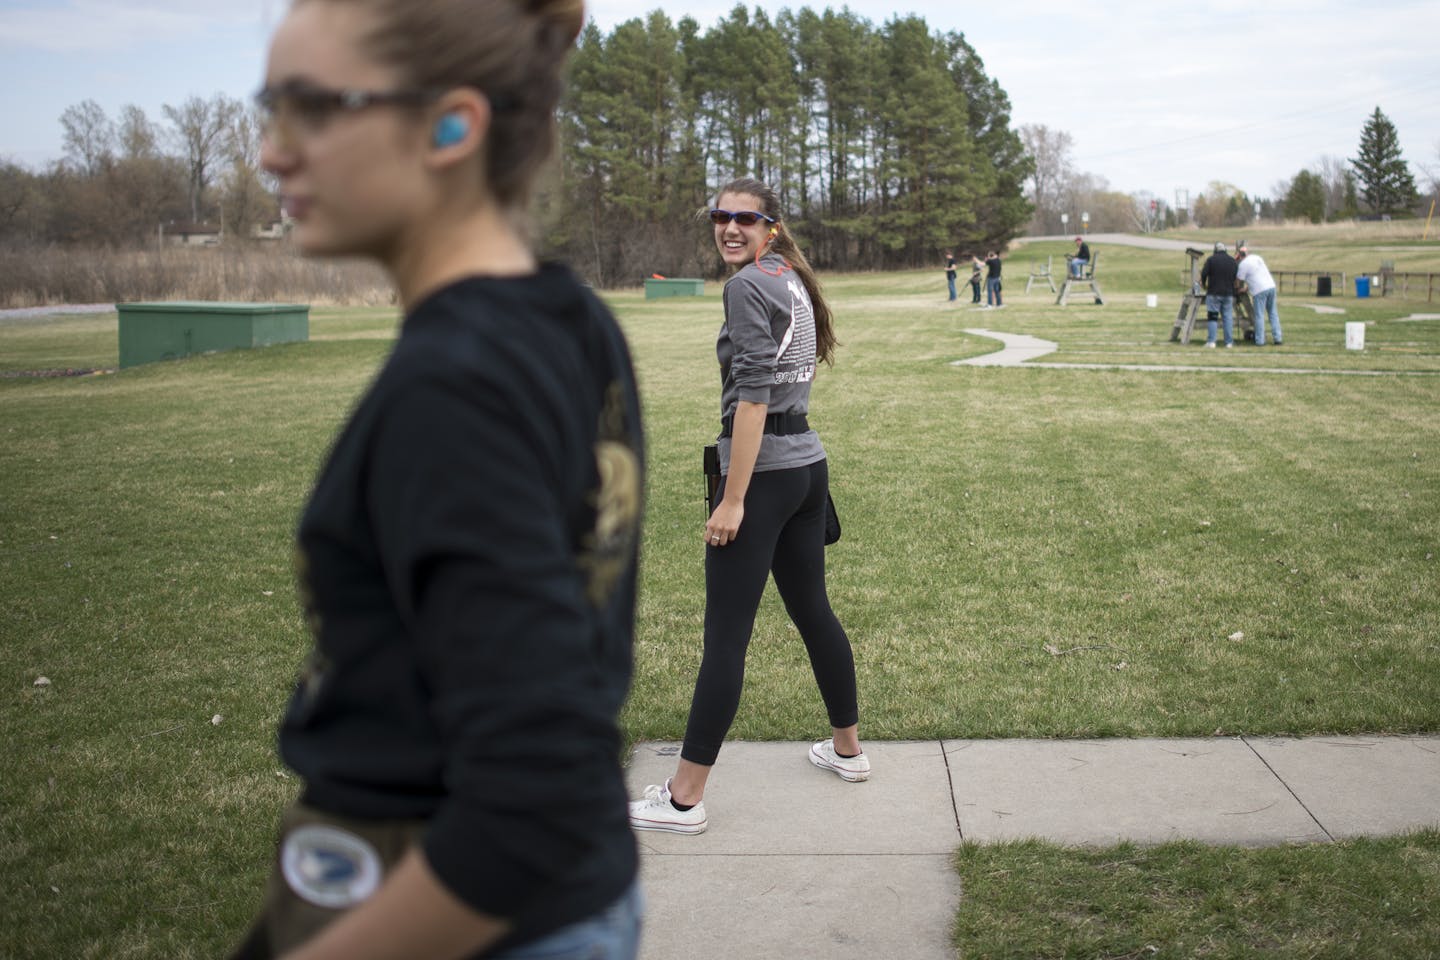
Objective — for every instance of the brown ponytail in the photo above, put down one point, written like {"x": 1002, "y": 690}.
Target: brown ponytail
{"x": 784, "y": 244}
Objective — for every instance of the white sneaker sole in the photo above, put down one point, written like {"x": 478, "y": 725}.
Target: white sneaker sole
{"x": 665, "y": 826}
{"x": 851, "y": 776}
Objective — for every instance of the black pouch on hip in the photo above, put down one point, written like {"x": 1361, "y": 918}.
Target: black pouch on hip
{"x": 712, "y": 477}
{"x": 832, "y": 521}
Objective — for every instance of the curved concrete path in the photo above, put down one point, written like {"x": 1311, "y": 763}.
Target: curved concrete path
{"x": 800, "y": 864}
{"x": 1021, "y": 350}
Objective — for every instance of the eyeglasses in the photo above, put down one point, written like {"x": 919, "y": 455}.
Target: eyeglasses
{"x": 746, "y": 218}
{"x": 311, "y": 107}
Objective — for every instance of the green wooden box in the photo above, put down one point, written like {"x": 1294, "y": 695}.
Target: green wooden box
{"x": 655, "y": 289}
{"x": 166, "y": 331}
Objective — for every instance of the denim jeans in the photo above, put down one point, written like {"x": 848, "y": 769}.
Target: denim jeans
{"x": 1265, "y": 304}
{"x": 1225, "y": 306}
{"x": 1077, "y": 267}
{"x": 992, "y": 291}
{"x": 611, "y": 934}
{"x": 950, "y": 279}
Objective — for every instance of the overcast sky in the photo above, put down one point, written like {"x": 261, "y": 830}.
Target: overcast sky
{"x": 1158, "y": 96}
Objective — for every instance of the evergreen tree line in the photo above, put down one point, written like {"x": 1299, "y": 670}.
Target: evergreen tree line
{"x": 1378, "y": 174}
{"x": 886, "y": 144}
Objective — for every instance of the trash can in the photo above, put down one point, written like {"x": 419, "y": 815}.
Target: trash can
{"x": 1322, "y": 286}
{"x": 1362, "y": 287}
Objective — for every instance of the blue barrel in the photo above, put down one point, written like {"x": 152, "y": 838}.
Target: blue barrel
{"x": 1362, "y": 287}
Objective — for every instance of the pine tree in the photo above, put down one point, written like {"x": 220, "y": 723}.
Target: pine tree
{"x": 1385, "y": 179}
{"x": 1306, "y": 197}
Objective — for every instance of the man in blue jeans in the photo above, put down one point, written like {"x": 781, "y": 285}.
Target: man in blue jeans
{"x": 1251, "y": 271}
{"x": 992, "y": 280}
{"x": 1082, "y": 257}
{"x": 1218, "y": 275}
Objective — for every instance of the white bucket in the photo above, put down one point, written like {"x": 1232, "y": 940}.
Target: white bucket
{"x": 1152, "y": 300}
{"x": 1354, "y": 335}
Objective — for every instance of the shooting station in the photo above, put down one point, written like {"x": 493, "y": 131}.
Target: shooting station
{"x": 1039, "y": 274}
{"x": 1194, "y": 302}
{"x": 1086, "y": 279}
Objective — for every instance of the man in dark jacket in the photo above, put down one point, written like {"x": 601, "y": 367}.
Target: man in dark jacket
{"x": 1081, "y": 257}
{"x": 1218, "y": 275}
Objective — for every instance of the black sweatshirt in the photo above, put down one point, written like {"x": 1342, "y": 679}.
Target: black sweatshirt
{"x": 1218, "y": 274}
{"x": 468, "y": 565}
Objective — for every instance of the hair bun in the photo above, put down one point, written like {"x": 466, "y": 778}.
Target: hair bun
{"x": 564, "y": 18}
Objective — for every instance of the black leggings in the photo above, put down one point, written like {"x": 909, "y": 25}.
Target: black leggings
{"x": 782, "y": 532}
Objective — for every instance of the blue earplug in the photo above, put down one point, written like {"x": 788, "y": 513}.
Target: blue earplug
{"x": 450, "y": 130}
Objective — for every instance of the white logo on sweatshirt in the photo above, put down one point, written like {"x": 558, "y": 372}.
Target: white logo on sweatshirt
{"x": 796, "y": 356}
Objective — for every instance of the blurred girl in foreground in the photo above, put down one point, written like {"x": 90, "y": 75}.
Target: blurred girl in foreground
{"x": 467, "y": 557}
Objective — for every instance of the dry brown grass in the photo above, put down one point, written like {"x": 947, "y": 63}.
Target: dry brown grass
{"x": 32, "y": 277}
{"x": 1342, "y": 231}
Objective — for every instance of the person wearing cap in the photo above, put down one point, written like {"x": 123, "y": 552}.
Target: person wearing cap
{"x": 1081, "y": 257}
{"x": 1252, "y": 271}
{"x": 1218, "y": 275}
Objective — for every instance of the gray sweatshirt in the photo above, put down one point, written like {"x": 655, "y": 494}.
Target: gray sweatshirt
{"x": 766, "y": 350}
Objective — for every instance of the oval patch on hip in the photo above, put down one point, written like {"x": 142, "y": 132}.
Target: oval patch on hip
{"x": 329, "y": 867}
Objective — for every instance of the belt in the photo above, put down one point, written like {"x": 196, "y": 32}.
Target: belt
{"x": 780, "y": 424}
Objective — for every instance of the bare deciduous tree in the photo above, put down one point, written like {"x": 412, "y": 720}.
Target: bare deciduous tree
{"x": 89, "y": 136}
{"x": 137, "y": 135}
{"x": 1338, "y": 181}
{"x": 1430, "y": 173}
{"x": 202, "y": 131}
{"x": 1147, "y": 211}
{"x": 249, "y": 195}
{"x": 1050, "y": 149}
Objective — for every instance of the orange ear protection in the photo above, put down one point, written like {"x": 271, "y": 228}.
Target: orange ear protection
{"x": 785, "y": 264}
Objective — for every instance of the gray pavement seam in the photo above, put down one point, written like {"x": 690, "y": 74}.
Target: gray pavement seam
{"x": 1303, "y": 805}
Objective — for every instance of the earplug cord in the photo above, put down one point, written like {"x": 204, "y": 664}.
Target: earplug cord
{"x": 759, "y": 251}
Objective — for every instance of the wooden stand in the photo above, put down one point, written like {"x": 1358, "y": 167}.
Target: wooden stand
{"x": 1041, "y": 273}
{"x": 1194, "y": 302}
{"x": 1086, "y": 279}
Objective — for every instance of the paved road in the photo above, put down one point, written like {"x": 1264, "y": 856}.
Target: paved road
{"x": 1127, "y": 240}
{"x": 27, "y": 313}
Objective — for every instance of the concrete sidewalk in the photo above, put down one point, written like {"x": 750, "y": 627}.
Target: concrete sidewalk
{"x": 800, "y": 864}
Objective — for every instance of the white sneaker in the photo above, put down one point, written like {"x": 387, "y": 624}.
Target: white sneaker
{"x": 656, "y": 812}
{"x": 854, "y": 769}
{"x": 1210, "y": 344}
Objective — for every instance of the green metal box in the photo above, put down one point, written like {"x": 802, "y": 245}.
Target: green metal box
{"x": 165, "y": 331}
{"x": 655, "y": 289}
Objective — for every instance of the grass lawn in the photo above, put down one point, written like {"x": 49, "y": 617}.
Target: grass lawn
{"x": 1046, "y": 553}
{"x": 1365, "y": 898}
